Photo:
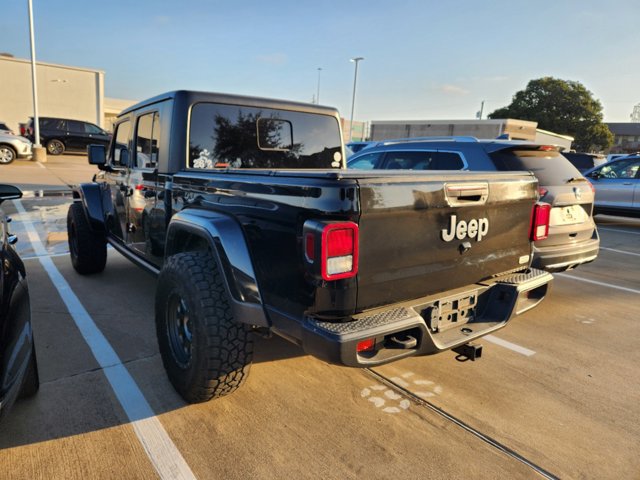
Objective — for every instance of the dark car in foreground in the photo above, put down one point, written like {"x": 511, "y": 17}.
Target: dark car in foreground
{"x": 617, "y": 185}
{"x": 573, "y": 238}
{"x": 18, "y": 365}
{"x": 59, "y": 135}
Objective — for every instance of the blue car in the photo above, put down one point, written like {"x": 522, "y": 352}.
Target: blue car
{"x": 18, "y": 364}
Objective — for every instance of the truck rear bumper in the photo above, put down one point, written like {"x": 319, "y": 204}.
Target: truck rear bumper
{"x": 428, "y": 325}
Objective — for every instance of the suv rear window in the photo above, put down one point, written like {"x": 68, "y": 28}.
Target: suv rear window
{"x": 550, "y": 167}
{"x": 235, "y": 136}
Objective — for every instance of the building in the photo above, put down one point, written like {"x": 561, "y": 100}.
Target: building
{"x": 515, "y": 129}
{"x": 626, "y": 137}
{"x": 112, "y": 107}
{"x": 359, "y": 130}
{"x": 63, "y": 91}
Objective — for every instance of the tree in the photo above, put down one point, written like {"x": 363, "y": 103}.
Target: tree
{"x": 561, "y": 106}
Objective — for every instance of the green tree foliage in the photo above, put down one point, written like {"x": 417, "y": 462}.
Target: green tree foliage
{"x": 561, "y": 106}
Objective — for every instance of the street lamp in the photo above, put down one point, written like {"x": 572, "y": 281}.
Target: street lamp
{"x": 318, "y": 93}
{"x": 353, "y": 98}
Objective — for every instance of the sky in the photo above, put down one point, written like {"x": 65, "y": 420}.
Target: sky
{"x": 423, "y": 60}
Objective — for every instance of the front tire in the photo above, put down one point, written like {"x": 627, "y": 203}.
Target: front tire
{"x": 7, "y": 154}
{"x": 55, "y": 147}
{"x": 88, "y": 249}
{"x": 206, "y": 353}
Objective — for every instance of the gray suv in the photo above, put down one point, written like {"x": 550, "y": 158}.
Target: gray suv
{"x": 573, "y": 238}
{"x": 617, "y": 185}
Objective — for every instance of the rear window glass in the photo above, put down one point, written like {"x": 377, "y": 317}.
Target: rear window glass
{"x": 235, "y": 136}
{"x": 550, "y": 168}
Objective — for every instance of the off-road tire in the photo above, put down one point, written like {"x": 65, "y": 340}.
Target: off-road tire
{"x": 31, "y": 382}
{"x": 215, "y": 360}
{"x": 55, "y": 147}
{"x": 88, "y": 249}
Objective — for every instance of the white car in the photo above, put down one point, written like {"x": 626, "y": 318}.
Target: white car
{"x": 12, "y": 147}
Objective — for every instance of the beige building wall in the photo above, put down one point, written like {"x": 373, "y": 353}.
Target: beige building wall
{"x": 63, "y": 91}
{"x": 112, "y": 108}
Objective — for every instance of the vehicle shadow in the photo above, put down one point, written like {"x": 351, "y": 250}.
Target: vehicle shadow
{"x": 76, "y": 398}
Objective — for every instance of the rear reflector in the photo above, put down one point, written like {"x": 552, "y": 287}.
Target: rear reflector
{"x": 310, "y": 247}
{"x": 339, "y": 250}
{"x": 540, "y": 221}
{"x": 366, "y": 345}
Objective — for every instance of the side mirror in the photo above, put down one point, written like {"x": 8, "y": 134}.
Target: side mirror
{"x": 97, "y": 154}
{"x": 9, "y": 192}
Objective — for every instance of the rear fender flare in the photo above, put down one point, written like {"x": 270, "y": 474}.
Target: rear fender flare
{"x": 191, "y": 230}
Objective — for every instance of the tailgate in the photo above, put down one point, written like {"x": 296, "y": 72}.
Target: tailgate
{"x": 424, "y": 233}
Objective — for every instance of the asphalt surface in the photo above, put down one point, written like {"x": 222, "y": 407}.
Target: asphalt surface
{"x": 555, "y": 394}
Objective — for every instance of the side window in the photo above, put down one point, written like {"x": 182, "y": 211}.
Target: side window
{"x": 410, "y": 160}
{"x": 91, "y": 128}
{"x": 147, "y": 140}
{"x": 447, "y": 161}
{"x": 75, "y": 126}
{"x": 365, "y": 162}
{"x": 624, "y": 169}
{"x": 120, "y": 144}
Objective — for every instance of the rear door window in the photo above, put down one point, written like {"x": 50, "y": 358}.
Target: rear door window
{"x": 147, "y": 139}
{"x": 423, "y": 160}
{"x": 235, "y": 136}
{"x": 75, "y": 126}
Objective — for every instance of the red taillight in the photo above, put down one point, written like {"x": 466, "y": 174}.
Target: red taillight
{"x": 366, "y": 345}
{"x": 547, "y": 148}
{"x": 339, "y": 251}
{"x": 593, "y": 189}
{"x": 139, "y": 187}
{"x": 540, "y": 221}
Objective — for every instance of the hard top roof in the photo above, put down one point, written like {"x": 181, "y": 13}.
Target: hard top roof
{"x": 191, "y": 97}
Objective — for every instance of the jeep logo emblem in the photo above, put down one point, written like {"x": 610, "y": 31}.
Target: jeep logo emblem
{"x": 477, "y": 229}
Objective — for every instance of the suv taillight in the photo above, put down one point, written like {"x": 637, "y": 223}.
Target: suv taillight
{"x": 540, "y": 221}
{"x": 333, "y": 247}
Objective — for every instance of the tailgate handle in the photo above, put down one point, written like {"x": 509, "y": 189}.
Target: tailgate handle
{"x": 458, "y": 194}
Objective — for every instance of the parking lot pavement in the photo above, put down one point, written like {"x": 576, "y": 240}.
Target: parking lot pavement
{"x": 55, "y": 175}
{"x": 555, "y": 393}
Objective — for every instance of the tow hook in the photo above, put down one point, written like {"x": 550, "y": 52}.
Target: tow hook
{"x": 402, "y": 341}
{"x": 470, "y": 351}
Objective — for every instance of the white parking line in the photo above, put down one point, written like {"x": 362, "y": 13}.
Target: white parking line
{"x": 164, "y": 455}
{"x": 595, "y": 282}
{"x": 620, "y": 251}
{"x": 41, "y": 165}
{"x": 511, "y": 346}
{"x": 616, "y": 230}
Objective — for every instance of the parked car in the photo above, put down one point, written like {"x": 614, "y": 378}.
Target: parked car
{"x": 18, "y": 364}
{"x": 4, "y": 128}
{"x": 12, "y": 147}
{"x": 573, "y": 238}
{"x": 585, "y": 161}
{"x": 62, "y": 134}
{"x": 617, "y": 185}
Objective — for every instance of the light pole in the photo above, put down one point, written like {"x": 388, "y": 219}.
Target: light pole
{"x": 353, "y": 97}
{"x": 37, "y": 153}
{"x": 318, "y": 93}
{"x": 36, "y": 126}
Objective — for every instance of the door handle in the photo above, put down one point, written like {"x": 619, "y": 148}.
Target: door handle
{"x": 627, "y": 183}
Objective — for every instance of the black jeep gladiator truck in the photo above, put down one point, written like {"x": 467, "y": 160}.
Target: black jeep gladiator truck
{"x": 245, "y": 211}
